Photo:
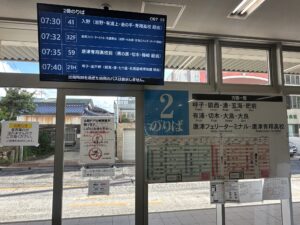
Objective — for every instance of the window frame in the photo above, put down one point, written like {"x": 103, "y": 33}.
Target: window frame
{"x": 214, "y": 85}
{"x": 210, "y": 70}
{"x": 291, "y": 88}
{"x": 274, "y": 73}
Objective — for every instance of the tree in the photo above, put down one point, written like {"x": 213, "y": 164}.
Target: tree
{"x": 16, "y": 102}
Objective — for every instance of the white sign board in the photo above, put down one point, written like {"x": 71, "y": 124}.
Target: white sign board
{"x": 16, "y": 133}
{"x": 98, "y": 187}
{"x": 194, "y": 137}
{"x": 253, "y": 131}
{"x": 276, "y": 188}
{"x": 97, "y": 140}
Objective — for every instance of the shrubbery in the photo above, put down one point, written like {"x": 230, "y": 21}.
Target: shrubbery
{"x": 43, "y": 150}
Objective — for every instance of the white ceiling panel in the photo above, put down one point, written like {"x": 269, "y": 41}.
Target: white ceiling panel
{"x": 274, "y": 19}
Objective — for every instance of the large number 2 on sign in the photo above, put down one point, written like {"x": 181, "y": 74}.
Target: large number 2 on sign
{"x": 163, "y": 114}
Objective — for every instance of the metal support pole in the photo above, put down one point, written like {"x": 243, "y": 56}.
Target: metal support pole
{"x": 211, "y": 68}
{"x": 220, "y": 211}
{"x": 287, "y": 209}
{"x": 218, "y": 65}
{"x": 21, "y": 154}
{"x": 220, "y": 208}
{"x": 58, "y": 159}
{"x": 141, "y": 188}
{"x": 287, "y": 212}
{"x": 277, "y": 74}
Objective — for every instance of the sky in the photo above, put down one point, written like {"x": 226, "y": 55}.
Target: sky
{"x": 32, "y": 68}
{"x": 7, "y": 68}
{"x": 19, "y": 67}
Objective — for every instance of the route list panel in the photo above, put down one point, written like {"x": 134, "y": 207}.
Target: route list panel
{"x": 175, "y": 159}
{"x": 82, "y": 44}
{"x": 194, "y": 137}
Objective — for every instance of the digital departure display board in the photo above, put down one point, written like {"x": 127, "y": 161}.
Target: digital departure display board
{"x": 94, "y": 45}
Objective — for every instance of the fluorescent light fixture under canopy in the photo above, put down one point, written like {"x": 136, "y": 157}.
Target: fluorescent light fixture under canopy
{"x": 245, "y": 8}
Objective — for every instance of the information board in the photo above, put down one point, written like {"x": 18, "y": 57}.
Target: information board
{"x": 191, "y": 158}
{"x": 194, "y": 137}
{"x": 17, "y": 133}
{"x": 237, "y": 114}
{"x": 176, "y": 159}
{"x": 94, "y": 45}
{"x": 97, "y": 140}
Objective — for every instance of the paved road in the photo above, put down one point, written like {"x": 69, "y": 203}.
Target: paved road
{"x": 27, "y": 194}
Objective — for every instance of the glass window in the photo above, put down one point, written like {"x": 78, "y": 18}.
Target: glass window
{"x": 293, "y": 80}
{"x": 293, "y": 115}
{"x": 245, "y": 66}
{"x": 297, "y": 80}
{"x": 293, "y": 102}
{"x": 254, "y": 214}
{"x": 19, "y": 67}
{"x": 180, "y": 203}
{"x": 26, "y": 174}
{"x": 99, "y": 156}
{"x": 291, "y": 67}
{"x": 287, "y": 79}
{"x": 186, "y": 63}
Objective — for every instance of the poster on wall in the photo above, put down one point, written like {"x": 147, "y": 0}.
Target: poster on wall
{"x": 17, "y": 133}
{"x": 196, "y": 137}
{"x": 97, "y": 140}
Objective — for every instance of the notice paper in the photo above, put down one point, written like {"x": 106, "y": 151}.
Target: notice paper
{"x": 19, "y": 133}
{"x": 276, "y": 188}
{"x": 231, "y": 191}
{"x": 217, "y": 192}
{"x": 250, "y": 191}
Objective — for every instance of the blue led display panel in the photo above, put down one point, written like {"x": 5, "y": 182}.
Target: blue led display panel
{"x": 95, "y": 45}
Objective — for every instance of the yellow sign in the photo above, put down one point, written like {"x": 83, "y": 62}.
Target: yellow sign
{"x": 20, "y": 125}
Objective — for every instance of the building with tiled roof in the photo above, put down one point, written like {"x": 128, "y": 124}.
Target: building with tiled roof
{"x": 45, "y": 111}
{"x": 45, "y": 114}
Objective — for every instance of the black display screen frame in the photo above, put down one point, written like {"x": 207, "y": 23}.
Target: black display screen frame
{"x": 41, "y": 7}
